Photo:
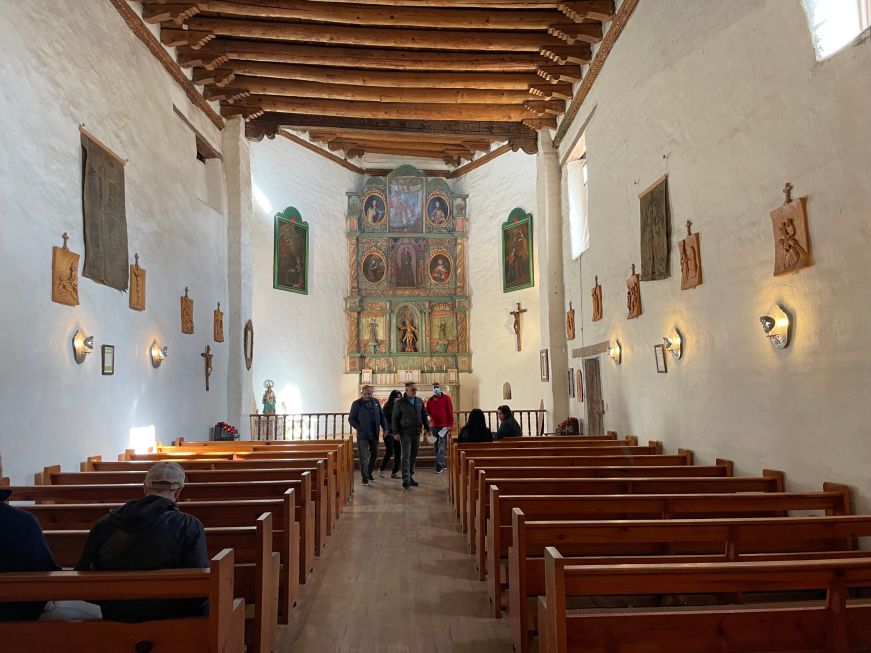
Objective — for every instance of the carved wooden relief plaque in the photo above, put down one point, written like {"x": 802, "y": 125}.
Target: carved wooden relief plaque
{"x": 633, "y": 295}
{"x": 64, "y": 275}
{"x": 137, "y": 286}
{"x": 218, "y": 326}
{"x": 570, "y": 323}
{"x": 187, "y": 313}
{"x": 655, "y": 231}
{"x": 597, "y": 301}
{"x": 690, "y": 260}
{"x": 792, "y": 250}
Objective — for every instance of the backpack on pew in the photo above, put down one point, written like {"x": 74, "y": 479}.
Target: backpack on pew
{"x": 225, "y": 432}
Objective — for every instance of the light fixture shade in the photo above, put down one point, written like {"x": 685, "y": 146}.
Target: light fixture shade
{"x": 674, "y": 344}
{"x": 615, "y": 352}
{"x": 158, "y": 354}
{"x": 82, "y": 346}
{"x": 776, "y": 326}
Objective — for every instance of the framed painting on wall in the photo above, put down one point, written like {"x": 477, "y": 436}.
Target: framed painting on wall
{"x": 290, "y": 262}
{"x": 108, "y": 359}
{"x": 517, "y": 272}
{"x": 659, "y": 355}
{"x": 544, "y": 365}
{"x": 571, "y": 383}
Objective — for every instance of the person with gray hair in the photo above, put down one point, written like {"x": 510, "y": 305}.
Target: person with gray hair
{"x": 146, "y": 534}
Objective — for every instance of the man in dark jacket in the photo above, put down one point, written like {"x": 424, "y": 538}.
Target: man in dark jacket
{"x": 22, "y": 548}
{"x": 367, "y": 417}
{"x": 409, "y": 418}
{"x": 145, "y": 534}
{"x": 508, "y": 426}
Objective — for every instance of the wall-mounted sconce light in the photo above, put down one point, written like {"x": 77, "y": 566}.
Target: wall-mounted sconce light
{"x": 775, "y": 326}
{"x": 158, "y": 354}
{"x": 615, "y": 352}
{"x": 82, "y": 346}
{"x": 674, "y": 344}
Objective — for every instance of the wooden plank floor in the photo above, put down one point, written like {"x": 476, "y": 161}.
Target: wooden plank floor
{"x": 395, "y": 577}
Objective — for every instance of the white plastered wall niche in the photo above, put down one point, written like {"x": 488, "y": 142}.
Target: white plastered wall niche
{"x": 494, "y": 190}
{"x": 85, "y": 66}
{"x": 732, "y": 94}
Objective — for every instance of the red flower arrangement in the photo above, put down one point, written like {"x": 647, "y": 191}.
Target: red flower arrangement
{"x": 569, "y": 426}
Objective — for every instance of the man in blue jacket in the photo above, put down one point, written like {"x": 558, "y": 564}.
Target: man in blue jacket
{"x": 367, "y": 417}
{"x": 22, "y": 548}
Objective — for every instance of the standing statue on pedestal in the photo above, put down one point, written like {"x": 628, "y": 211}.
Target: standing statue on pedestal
{"x": 269, "y": 398}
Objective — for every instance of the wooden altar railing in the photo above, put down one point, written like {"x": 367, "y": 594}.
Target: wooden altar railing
{"x": 316, "y": 426}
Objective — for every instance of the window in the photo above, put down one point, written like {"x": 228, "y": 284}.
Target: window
{"x": 579, "y": 230}
{"x": 834, "y": 24}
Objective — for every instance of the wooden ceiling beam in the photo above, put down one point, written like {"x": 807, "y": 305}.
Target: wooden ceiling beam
{"x": 488, "y": 41}
{"x": 196, "y": 39}
{"x": 362, "y": 14}
{"x": 577, "y": 32}
{"x": 580, "y": 53}
{"x": 546, "y": 107}
{"x": 546, "y": 90}
{"x": 363, "y": 137}
{"x": 409, "y": 149}
{"x": 488, "y": 4}
{"x": 220, "y": 51}
{"x": 579, "y": 10}
{"x": 390, "y": 110}
{"x": 303, "y": 89}
{"x": 401, "y": 79}
{"x": 269, "y": 123}
{"x": 217, "y": 76}
{"x": 568, "y": 73}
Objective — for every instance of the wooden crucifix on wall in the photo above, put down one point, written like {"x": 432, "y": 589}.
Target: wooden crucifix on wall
{"x": 516, "y": 313}
{"x": 207, "y": 364}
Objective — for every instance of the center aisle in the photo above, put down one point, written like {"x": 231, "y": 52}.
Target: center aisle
{"x": 395, "y": 577}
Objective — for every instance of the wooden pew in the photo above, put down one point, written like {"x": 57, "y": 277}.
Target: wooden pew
{"x": 213, "y": 514}
{"x": 611, "y": 448}
{"x": 477, "y": 493}
{"x": 336, "y": 472}
{"x": 256, "y": 570}
{"x": 223, "y": 631}
{"x": 833, "y": 500}
{"x": 835, "y": 624}
{"x": 569, "y": 458}
{"x": 54, "y": 476}
{"x": 530, "y": 442}
{"x": 678, "y": 540}
{"x": 304, "y": 508}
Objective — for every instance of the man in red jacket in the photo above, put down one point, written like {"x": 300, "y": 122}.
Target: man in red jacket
{"x": 440, "y": 409}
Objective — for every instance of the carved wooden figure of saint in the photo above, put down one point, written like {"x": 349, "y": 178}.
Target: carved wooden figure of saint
{"x": 633, "y": 295}
{"x": 137, "y": 286}
{"x": 597, "y": 301}
{"x": 187, "y": 313}
{"x": 690, "y": 260}
{"x": 792, "y": 250}
{"x": 64, "y": 275}
{"x": 570, "y": 323}
{"x": 218, "y": 324}
{"x": 207, "y": 364}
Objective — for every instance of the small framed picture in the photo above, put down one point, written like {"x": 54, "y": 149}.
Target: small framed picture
{"x": 659, "y": 354}
{"x": 579, "y": 386}
{"x": 571, "y": 383}
{"x": 108, "y": 358}
{"x": 453, "y": 376}
{"x": 544, "y": 365}
{"x": 365, "y": 376}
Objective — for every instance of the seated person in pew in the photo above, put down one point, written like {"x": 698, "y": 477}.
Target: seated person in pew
{"x": 22, "y": 548}
{"x": 475, "y": 429}
{"x": 148, "y": 534}
{"x": 508, "y": 426}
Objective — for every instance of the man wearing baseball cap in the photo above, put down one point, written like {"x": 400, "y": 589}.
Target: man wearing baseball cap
{"x": 144, "y": 534}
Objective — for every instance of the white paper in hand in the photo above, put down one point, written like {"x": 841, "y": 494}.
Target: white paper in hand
{"x": 444, "y": 431}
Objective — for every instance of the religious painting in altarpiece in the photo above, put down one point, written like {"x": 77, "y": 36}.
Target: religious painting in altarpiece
{"x": 407, "y": 306}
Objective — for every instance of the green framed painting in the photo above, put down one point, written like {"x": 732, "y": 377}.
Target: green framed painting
{"x": 290, "y": 260}
{"x": 517, "y": 271}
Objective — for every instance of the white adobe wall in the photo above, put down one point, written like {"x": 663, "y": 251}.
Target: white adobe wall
{"x": 61, "y": 68}
{"x": 494, "y": 190}
{"x": 732, "y": 94}
{"x": 299, "y": 339}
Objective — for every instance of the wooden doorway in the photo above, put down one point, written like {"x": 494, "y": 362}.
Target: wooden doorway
{"x": 593, "y": 397}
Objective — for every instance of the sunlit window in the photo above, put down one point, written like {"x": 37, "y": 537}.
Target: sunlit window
{"x": 834, "y": 24}
{"x": 579, "y": 229}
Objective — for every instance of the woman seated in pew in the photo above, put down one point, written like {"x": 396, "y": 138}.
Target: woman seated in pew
{"x": 147, "y": 534}
{"x": 475, "y": 429}
{"x": 508, "y": 426}
{"x": 22, "y": 548}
